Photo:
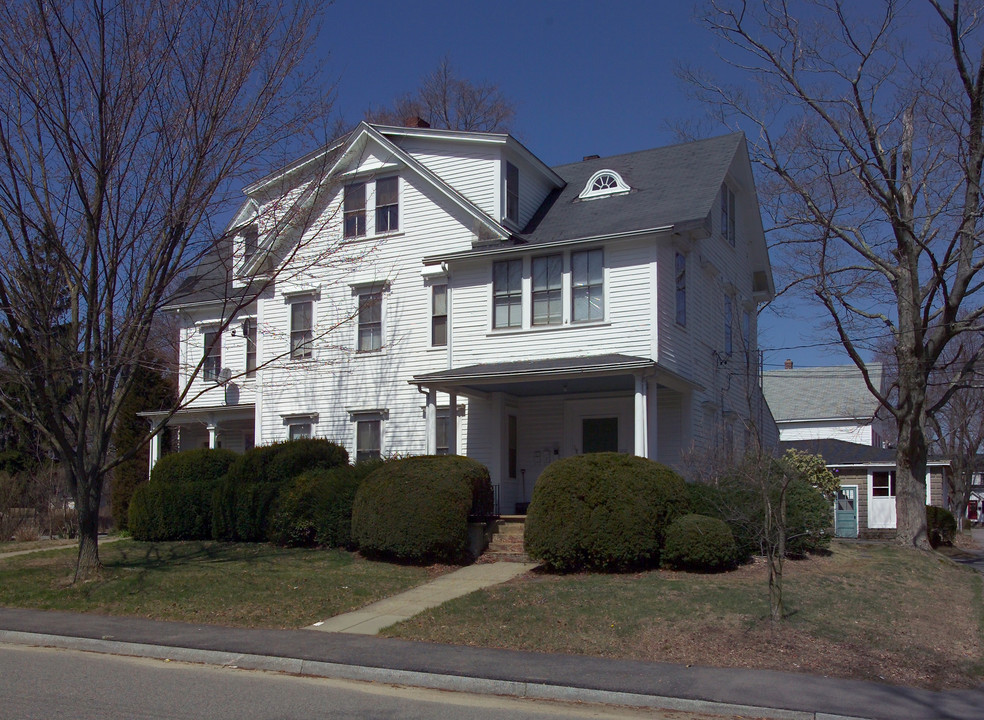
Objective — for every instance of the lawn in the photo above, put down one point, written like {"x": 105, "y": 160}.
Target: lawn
{"x": 865, "y": 611}
{"x": 245, "y": 585}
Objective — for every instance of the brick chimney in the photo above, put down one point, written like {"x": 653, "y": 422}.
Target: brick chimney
{"x": 590, "y": 157}
{"x": 415, "y": 121}
{"x": 789, "y": 364}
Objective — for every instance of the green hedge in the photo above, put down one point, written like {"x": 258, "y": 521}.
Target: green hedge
{"x": 245, "y": 497}
{"x": 416, "y": 509}
{"x": 172, "y": 511}
{"x": 941, "y": 526}
{"x": 315, "y": 508}
{"x": 201, "y": 465}
{"x": 602, "y": 511}
{"x": 699, "y": 542}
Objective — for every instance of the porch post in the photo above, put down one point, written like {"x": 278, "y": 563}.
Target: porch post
{"x": 155, "y": 446}
{"x": 431, "y": 416}
{"x": 213, "y": 435}
{"x": 453, "y": 424}
{"x": 641, "y": 417}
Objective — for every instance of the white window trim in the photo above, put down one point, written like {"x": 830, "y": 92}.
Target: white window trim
{"x": 296, "y": 300}
{"x": 357, "y": 416}
{"x": 620, "y": 187}
{"x": 375, "y": 205}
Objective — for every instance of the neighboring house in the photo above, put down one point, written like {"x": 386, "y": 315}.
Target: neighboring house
{"x": 429, "y": 291}
{"x": 824, "y": 402}
{"x": 865, "y": 504}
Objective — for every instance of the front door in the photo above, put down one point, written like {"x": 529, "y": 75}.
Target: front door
{"x": 599, "y": 434}
{"x": 846, "y": 512}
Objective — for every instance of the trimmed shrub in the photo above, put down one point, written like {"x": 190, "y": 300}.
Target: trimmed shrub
{"x": 188, "y": 466}
{"x": 315, "y": 508}
{"x": 602, "y": 511}
{"x": 245, "y": 497}
{"x": 699, "y": 542}
{"x": 941, "y": 526}
{"x": 809, "y": 519}
{"x": 416, "y": 509}
{"x": 181, "y": 511}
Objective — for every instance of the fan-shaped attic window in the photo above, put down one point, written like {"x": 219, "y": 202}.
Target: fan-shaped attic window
{"x": 602, "y": 184}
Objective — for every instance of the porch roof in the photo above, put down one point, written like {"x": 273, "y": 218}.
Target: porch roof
{"x": 549, "y": 376}
{"x": 206, "y": 414}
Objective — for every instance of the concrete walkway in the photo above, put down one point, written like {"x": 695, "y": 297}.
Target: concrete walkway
{"x": 58, "y": 546}
{"x": 373, "y": 618}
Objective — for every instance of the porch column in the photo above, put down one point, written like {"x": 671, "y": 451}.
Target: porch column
{"x": 155, "y": 446}
{"x": 431, "y": 416}
{"x": 641, "y": 417}
{"x": 213, "y": 435}
{"x": 453, "y": 424}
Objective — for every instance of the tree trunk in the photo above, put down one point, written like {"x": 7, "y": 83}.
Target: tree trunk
{"x": 910, "y": 486}
{"x": 88, "y": 493}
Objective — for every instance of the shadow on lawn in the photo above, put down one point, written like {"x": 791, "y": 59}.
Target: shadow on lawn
{"x": 152, "y": 555}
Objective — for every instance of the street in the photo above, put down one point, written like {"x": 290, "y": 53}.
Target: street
{"x": 43, "y": 683}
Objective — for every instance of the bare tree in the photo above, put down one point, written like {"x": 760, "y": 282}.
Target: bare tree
{"x": 867, "y": 119}
{"x": 123, "y": 129}
{"x": 445, "y": 100}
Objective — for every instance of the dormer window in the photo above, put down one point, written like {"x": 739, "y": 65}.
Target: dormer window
{"x": 602, "y": 184}
{"x": 251, "y": 237}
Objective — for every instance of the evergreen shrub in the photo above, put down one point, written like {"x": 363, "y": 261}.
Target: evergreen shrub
{"x": 602, "y": 511}
{"x": 315, "y": 508}
{"x": 416, "y": 509}
{"x": 699, "y": 542}
{"x": 200, "y": 465}
{"x": 941, "y": 526}
{"x": 171, "y": 511}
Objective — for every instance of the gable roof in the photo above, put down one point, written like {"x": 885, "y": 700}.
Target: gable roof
{"x": 821, "y": 393}
{"x": 671, "y": 186}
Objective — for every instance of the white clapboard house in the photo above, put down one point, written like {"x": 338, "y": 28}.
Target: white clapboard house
{"x": 411, "y": 290}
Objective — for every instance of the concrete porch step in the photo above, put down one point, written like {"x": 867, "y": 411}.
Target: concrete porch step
{"x": 507, "y": 539}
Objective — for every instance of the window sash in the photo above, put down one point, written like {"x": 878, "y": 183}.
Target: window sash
{"x": 507, "y": 292}
{"x": 370, "y": 322}
{"x": 298, "y": 431}
{"x": 548, "y": 290}
{"x": 211, "y": 355}
{"x": 301, "y": 329}
{"x": 251, "y": 238}
{"x": 439, "y": 315}
{"x": 387, "y": 205}
{"x": 883, "y": 484}
{"x": 728, "y": 326}
{"x": 681, "y": 289}
{"x": 355, "y": 210}
{"x": 512, "y": 192}
{"x": 367, "y": 440}
{"x": 587, "y": 285}
{"x": 728, "y": 214}
{"x": 249, "y": 335}
{"x": 443, "y": 428}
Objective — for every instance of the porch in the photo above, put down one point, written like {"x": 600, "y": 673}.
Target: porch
{"x": 222, "y": 426}
{"x": 524, "y": 415}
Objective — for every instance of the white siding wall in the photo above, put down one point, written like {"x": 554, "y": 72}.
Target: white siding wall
{"x": 472, "y": 169}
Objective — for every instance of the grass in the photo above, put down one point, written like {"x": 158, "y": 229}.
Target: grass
{"x": 866, "y": 611}
{"x": 244, "y": 585}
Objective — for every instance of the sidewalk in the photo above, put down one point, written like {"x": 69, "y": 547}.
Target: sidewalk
{"x": 755, "y": 693}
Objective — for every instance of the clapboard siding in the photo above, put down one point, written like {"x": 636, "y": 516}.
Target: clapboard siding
{"x": 472, "y": 170}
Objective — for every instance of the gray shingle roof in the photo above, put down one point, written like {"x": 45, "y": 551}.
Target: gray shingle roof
{"x": 841, "y": 452}
{"x": 670, "y": 185}
{"x": 821, "y": 393}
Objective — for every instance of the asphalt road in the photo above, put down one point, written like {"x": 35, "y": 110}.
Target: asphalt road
{"x": 45, "y": 683}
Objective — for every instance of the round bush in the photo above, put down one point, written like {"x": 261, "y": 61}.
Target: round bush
{"x": 602, "y": 511}
{"x": 698, "y": 542}
{"x": 315, "y": 508}
{"x": 199, "y": 465}
{"x": 245, "y": 497}
{"x": 416, "y": 509}
{"x": 172, "y": 511}
{"x": 941, "y": 526}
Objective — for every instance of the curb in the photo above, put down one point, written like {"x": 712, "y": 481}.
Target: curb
{"x": 434, "y": 681}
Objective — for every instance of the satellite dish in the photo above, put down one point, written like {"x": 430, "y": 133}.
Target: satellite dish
{"x": 225, "y": 374}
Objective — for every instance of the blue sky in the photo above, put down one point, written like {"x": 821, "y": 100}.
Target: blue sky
{"x": 586, "y": 78}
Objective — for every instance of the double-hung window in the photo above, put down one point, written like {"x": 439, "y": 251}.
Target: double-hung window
{"x": 212, "y": 355}
{"x": 681, "y": 289}
{"x": 883, "y": 484}
{"x": 299, "y": 431}
{"x": 507, "y": 294}
{"x": 548, "y": 290}
{"x": 512, "y": 192}
{"x": 439, "y": 315}
{"x": 728, "y": 214}
{"x": 251, "y": 239}
{"x": 354, "y": 210}
{"x": 301, "y": 329}
{"x": 370, "y": 322}
{"x": 249, "y": 335}
{"x": 388, "y": 205}
{"x": 587, "y": 285}
{"x": 729, "y": 344}
{"x": 368, "y": 445}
